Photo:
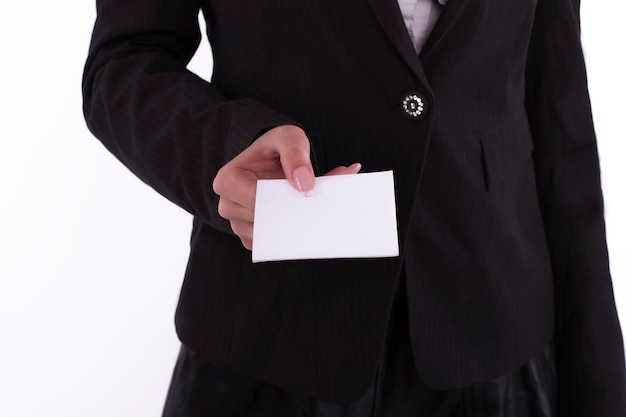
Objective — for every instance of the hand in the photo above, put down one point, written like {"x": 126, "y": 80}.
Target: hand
{"x": 282, "y": 152}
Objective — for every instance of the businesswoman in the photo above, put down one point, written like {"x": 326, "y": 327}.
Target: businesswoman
{"x": 500, "y": 303}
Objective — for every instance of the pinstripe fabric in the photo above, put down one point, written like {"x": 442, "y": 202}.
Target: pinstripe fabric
{"x": 498, "y": 193}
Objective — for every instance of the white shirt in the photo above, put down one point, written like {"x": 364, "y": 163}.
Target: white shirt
{"x": 420, "y": 17}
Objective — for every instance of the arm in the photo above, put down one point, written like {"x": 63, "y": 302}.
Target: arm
{"x": 171, "y": 128}
{"x": 589, "y": 347}
{"x": 177, "y": 132}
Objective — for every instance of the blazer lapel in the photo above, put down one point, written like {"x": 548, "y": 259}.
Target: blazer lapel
{"x": 447, "y": 19}
{"x": 390, "y": 17}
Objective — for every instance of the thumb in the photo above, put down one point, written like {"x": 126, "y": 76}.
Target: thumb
{"x": 295, "y": 160}
{"x": 304, "y": 180}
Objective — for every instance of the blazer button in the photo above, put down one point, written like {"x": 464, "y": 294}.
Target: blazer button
{"x": 414, "y": 105}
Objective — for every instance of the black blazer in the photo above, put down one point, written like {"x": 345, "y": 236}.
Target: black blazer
{"x": 500, "y": 209}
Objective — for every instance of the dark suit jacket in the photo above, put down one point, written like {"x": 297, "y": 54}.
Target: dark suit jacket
{"x": 500, "y": 209}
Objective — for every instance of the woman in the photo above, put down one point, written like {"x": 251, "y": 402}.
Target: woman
{"x": 500, "y": 302}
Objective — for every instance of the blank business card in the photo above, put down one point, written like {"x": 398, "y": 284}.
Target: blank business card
{"x": 349, "y": 216}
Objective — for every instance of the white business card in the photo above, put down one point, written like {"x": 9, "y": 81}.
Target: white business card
{"x": 348, "y": 216}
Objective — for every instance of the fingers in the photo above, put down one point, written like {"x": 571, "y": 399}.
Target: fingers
{"x": 241, "y": 219}
{"x": 236, "y": 185}
{"x": 235, "y": 212}
{"x": 293, "y": 149}
{"x": 281, "y": 152}
{"x": 342, "y": 170}
{"x": 243, "y": 230}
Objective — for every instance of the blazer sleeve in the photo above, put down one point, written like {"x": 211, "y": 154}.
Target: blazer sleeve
{"x": 167, "y": 125}
{"x": 588, "y": 339}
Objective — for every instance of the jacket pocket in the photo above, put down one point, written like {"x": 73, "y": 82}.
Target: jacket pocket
{"x": 504, "y": 152}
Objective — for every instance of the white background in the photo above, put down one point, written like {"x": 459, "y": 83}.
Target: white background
{"x": 91, "y": 259}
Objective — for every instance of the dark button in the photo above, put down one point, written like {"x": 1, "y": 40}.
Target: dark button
{"x": 414, "y": 105}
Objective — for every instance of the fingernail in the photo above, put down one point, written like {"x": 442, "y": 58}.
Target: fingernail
{"x": 304, "y": 181}
{"x": 356, "y": 167}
